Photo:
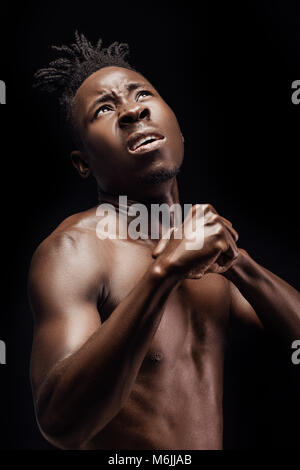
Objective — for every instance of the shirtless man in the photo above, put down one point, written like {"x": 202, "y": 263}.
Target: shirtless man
{"x": 129, "y": 335}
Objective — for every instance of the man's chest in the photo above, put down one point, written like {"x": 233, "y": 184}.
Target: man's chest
{"x": 195, "y": 314}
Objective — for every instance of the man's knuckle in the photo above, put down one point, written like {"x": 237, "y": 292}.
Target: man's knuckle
{"x": 220, "y": 245}
{"x": 219, "y": 229}
{"x": 195, "y": 208}
{"x": 212, "y": 218}
{"x": 206, "y": 208}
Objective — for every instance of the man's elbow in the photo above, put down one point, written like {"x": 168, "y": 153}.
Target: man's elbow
{"x": 57, "y": 433}
{"x": 56, "y": 426}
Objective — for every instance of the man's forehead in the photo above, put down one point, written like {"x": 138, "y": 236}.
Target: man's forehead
{"x": 108, "y": 79}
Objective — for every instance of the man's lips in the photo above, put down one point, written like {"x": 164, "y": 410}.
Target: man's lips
{"x": 142, "y": 142}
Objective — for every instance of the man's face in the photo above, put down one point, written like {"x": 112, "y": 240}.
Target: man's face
{"x": 129, "y": 134}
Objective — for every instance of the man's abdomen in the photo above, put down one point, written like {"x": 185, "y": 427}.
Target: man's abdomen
{"x": 178, "y": 407}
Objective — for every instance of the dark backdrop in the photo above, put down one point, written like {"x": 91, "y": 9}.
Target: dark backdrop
{"x": 227, "y": 73}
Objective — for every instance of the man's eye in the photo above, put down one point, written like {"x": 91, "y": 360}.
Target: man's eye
{"x": 143, "y": 93}
{"x": 102, "y": 110}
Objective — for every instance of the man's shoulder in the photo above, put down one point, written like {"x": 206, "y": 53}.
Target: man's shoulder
{"x": 66, "y": 268}
{"x": 73, "y": 241}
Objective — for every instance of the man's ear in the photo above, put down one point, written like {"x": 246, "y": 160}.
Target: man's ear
{"x": 80, "y": 163}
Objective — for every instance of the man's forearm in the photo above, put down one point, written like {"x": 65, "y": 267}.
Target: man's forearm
{"x": 86, "y": 390}
{"x": 276, "y": 303}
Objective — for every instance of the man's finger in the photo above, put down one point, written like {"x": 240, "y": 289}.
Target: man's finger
{"x": 228, "y": 225}
{"x": 230, "y": 254}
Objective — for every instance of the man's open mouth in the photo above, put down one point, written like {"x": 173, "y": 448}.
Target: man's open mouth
{"x": 141, "y": 143}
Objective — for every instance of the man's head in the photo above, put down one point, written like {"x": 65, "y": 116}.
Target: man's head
{"x": 123, "y": 131}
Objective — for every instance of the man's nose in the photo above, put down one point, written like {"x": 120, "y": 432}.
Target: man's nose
{"x": 133, "y": 114}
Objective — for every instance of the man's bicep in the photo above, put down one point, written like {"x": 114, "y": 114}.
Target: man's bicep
{"x": 56, "y": 338}
{"x": 242, "y": 311}
{"x": 63, "y": 291}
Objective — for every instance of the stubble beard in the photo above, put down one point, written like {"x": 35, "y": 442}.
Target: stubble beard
{"x": 159, "y": 176}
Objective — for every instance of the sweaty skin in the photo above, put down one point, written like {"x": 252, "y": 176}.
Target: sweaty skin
{"x": 130, "y": 335}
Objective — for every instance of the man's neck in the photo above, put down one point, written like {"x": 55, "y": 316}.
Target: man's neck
{"x": 168, "y": 196}
{"x": 123, "y": 202}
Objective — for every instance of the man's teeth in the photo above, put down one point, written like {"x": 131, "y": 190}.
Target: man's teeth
{"x": 143, "y": 140}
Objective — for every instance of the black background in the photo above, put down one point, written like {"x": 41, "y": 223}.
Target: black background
{"x": 227, "y": 73}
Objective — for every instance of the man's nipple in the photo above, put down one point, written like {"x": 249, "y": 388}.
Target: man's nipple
{"x": 155, "y": 356}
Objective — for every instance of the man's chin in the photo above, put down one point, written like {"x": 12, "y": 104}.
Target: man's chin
{"x": 159, "y": 176}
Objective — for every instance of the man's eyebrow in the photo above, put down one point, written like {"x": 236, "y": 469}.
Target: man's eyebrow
{"x": 104, "y": 97}
{"x": 134, "y": 85}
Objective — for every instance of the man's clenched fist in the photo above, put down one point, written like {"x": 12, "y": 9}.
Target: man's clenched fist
{"x": 214, "y": 251}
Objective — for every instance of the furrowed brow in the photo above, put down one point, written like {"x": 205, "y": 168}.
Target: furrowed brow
{"x": 134, "y": 85}
{"x": 102, "y": 99}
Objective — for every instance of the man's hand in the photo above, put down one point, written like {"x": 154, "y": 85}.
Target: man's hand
{"x": 218, "y": 250}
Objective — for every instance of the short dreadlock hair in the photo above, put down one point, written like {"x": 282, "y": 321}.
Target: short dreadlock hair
{"x": 65, "y": 74}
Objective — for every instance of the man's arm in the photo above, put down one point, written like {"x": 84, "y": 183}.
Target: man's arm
{"x": 258, "y": 291}
{"x": 83, "y": 371}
